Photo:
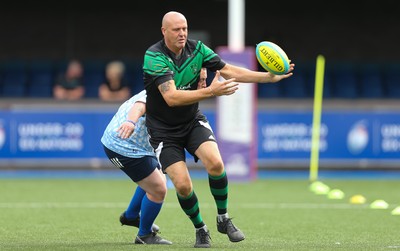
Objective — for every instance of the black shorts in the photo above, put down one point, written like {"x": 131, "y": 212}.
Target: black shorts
{"x": 170, "y": 147}
{"x": 136, "y": 168}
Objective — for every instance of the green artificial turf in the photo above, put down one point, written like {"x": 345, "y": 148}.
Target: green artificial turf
{"x": 80, "y": 214}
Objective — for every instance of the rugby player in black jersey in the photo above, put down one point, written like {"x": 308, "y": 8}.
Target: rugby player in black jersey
{"x": 171, "y": 71}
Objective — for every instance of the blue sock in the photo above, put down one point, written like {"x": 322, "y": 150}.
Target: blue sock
{"x": 132, "y": 212}
{"x": 149, "y": 213}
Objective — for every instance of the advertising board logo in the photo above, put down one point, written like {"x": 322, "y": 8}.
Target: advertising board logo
{"x": 236, "y": 165}
{"x": 357, "y": 138}
{"x": 2, "y": 136}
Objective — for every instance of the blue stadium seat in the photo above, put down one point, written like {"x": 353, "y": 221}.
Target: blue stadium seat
{"x": 392, "y": 80}
{"x": 41, "y": 79}
{"x": 371, "y": 82}
{"x": 1, "y": 81}
{"x": 307, "y": 69}
{"x": 327, "y": 91}
{"x": 93, "y": 76}
{"x": 269, "y": 90}
{"x": 327, "y": 86}
{"x": 60, "y": 66}
{"x": 345, "y": 82}
{"x": 295, "y": 86}
{"x": 134, "y": 75}
{"x": 14, "y": 79}
{"x": 263, "y": 90}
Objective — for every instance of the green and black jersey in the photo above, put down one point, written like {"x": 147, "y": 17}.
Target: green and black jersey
{"x": 161, "y": 65}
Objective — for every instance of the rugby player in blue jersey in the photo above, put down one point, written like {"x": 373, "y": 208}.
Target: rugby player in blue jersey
{"x": 126, "y": 144}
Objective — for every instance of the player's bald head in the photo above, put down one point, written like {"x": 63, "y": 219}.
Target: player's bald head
{"x": 171, "y": 17}
{"x": 174, "y": 29}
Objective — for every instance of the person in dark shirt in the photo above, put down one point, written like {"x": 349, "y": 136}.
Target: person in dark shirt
{"x": 69, "y": 85}
{"x": 174, "y": 122}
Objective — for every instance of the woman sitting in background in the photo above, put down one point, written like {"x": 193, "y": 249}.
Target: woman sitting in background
{"x": 115, "y": 87}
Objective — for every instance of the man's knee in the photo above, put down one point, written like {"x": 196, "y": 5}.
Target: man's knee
{"x": 183, "y": 187}
{"x": 209, "y": 155}
{"x": 161, "y": 191}
{"x": 158, "y": 192}
{"x": 215, "y": 166}
{"x": 180, "y": 176}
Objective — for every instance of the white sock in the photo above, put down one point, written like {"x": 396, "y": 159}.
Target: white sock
{"x": 203, "y": 227}
{"x": 221, "y": 217}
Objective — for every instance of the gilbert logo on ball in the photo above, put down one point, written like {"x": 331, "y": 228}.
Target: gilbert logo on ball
{"x": 272, "y": 58}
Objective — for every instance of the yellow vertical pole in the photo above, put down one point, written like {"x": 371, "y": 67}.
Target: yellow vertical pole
{"x": 316, "y": 123}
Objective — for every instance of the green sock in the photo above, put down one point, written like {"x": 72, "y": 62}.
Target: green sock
{"x": 190, "y": 206}
{"x": 219, "y": 189}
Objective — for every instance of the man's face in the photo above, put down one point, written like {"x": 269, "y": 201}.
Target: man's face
{"x": 175, "y": 34}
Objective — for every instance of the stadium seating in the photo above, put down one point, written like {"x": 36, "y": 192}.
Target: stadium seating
{"x": 1, "y": 82}
{"x": 134, "y": 75}
{"x": 40, "y": 79}
{"x": 263, "y": 90}
{"x": 93, "y": 76}
{"x": 14, "y": 79}
{"x": 297, "y": 86}
{"x": 35, "y": 79}
{"x": 294, "y": 87}
{"x": 269, "y": 91}
{"x": 344, "y": 81}
{"x": 327, "y": 85}
{"x": 371, "y": 81}
{"x": 392, "y": 81}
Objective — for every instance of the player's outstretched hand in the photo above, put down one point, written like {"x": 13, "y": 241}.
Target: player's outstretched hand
{"x": 125, "y": 130}
{"x": 226, "y": 87}
{"x": 275, "y": 78}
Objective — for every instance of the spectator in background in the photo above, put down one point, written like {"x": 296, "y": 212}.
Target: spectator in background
{"x": 115, "y": 88}
{"x": 69, "y": 86}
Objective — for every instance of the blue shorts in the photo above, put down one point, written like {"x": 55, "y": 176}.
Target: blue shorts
{"x": 136, "y": 168}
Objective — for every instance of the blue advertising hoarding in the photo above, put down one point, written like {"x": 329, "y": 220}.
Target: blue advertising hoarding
{"x": 284, "y": 136}
{"x": 349, "y": 136}
{"x": 61, "y": 134}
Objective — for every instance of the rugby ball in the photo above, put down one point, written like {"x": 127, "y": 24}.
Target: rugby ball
{"x": 272, "y": 58}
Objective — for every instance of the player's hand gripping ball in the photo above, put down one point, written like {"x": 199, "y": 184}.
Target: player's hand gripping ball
{"x": 272, "y": 58}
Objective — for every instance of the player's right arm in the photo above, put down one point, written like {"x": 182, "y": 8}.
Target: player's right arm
{"x": 245, "y": 75}
{"x": 127, "y": 128}
{"x": 175, "y": 97}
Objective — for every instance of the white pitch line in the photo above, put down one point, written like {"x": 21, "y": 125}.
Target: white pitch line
{"x": 15, "y": 205}
{"x": 62, "y": 205}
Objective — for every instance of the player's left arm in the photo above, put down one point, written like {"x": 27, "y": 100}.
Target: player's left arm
{"x": 248, "y": 76}
{"x": 126, "y": 129}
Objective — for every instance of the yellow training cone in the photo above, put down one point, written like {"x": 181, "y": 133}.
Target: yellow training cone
{"x": 319, "y": 188}
{"x": 336, "y": 194}
{"x": 379, "y": 204}
{"x": 396, "y": 211}
{"x": 358, "y": 199}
